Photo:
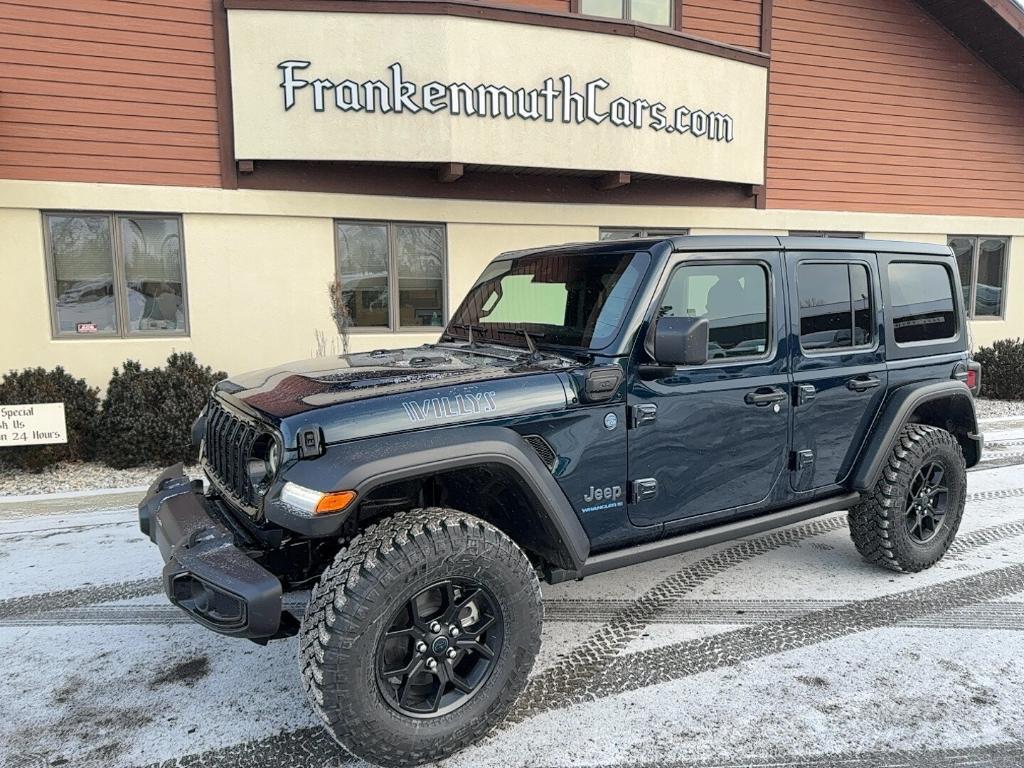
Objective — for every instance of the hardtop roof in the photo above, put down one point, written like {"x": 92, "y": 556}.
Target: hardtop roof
{"x": 722, "y": 243}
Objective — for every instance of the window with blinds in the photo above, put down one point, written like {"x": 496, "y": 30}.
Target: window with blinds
{"x": 116, "y": 274}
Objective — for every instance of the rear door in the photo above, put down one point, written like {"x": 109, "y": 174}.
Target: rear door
{"x": 714, "y": 438}
{"x": 838, "y": 362}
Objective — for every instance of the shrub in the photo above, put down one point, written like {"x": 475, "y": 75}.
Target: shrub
{"x": 147, "y": 414}
{"x": 38, "y": 385}
{"x": 1002, "y": 369}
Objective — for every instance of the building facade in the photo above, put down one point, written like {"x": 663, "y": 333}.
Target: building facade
{"x": 237, "y": 177}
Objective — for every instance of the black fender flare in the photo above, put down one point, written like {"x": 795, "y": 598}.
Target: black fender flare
{"x": 896, "y": 412}
{"x": 363, "y": 465}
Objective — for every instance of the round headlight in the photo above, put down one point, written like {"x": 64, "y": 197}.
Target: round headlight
{"x": 263, "y": 463}
{"x": 273, "y": 458}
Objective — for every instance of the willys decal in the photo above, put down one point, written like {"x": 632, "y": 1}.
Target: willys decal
{"x": 449, "y": 407}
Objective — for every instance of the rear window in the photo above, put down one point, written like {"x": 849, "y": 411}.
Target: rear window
{"x": 922, "y": 302}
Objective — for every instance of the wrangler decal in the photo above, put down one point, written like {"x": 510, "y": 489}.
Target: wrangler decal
{"x": 446, "y": 407}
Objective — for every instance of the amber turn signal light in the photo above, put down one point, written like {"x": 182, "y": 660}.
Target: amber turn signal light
{"x": 334, "y": 502}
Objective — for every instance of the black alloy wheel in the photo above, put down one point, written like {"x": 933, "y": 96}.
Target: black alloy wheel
{"x": 909, "y": 519}
{"x": 439, "y": 648}
{"x": 926, "y": 503}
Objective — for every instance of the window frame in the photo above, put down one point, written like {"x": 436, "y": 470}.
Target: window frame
{"x": 394, "y": 311}
{"x": 644, "y": 232}
{"x": 675, "y": 11}
{"x": 122, "y": 321}
{"x": 908, "y": 347}
{"x": 827, "y": 234}
{"x": 975, "y": 262}
{"x": 872, "y": 309}
{"x": 770, "y": 342}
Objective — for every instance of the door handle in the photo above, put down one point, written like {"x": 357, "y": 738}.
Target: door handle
{"x": 765, "y": 396}
{"x": 863, "y": 384}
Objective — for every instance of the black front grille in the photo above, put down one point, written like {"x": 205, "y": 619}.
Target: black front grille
{"x": 228, "y": 445}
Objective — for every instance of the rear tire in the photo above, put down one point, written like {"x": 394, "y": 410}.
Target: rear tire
{"x": 910, "y": 518}
{"x": 420, "y": 636}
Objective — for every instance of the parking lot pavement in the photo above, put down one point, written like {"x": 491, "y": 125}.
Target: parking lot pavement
{"x": 784, "y": 649}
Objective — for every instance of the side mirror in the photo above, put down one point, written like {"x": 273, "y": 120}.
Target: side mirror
{"x": 681, "y": 340}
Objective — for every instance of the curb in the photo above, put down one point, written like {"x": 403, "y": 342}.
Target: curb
{"x": 30, "y": 497}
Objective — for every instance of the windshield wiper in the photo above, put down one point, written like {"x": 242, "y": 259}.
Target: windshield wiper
{"x": 469, "y": 327}
{"x": 535, "y": 356}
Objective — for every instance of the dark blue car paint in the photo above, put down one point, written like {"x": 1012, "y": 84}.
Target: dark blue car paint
{"x": 715, "y": 457}
{"x": 695, "y": 449}
{"x": 832, "y": 424}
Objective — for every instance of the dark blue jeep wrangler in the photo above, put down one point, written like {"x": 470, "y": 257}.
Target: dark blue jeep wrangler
{"x": 588, "y": 407}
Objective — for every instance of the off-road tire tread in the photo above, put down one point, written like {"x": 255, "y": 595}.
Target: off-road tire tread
{"x": 871, "y": 520}
{"x": 340, "y": 604}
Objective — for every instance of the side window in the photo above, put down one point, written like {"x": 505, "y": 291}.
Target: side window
{"x": 835, "y": 305}
{"x": 922, "y": 302}
{"x": 734, "y": 299}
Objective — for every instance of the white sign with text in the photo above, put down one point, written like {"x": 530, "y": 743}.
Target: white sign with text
{"x": 32, "y": 424}
{"x": 422, "y": 88}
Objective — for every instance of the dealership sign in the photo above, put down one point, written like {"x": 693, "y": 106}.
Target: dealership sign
{"x": 421, "y": 89}
{"x": 551, "y": 102}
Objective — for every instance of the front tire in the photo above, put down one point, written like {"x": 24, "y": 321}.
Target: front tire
{"x": 910, "y": 518}
{"x": 420, "y": 636}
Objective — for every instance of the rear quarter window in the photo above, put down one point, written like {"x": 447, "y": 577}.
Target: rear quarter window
{"x": 922, "y": 302}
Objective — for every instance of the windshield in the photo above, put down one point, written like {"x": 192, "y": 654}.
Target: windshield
{"x": 566, "y": 300}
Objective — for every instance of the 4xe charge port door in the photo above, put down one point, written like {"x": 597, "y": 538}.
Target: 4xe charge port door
{"x": 713, "y": 438}
{"x": 839, "y": 372}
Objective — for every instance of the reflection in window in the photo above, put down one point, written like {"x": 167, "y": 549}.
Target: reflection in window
{"x": 826, "y": 233}
{"x": 420, "y": 256}
{"x": 151, "y": 250}
{"x": 363, "y": 273}
{"x": 83, "y": 273}
{"x": 392, "y": 275}
{"x": 625, "y": 233}
{"x": 656, "y": 12}
{"x": 733, "y": 298}
{"x": 835, "y": 305}
{"x": 105, "y": 285}
{"x": 922, "y": 302}
{"x": 981, "y": 262}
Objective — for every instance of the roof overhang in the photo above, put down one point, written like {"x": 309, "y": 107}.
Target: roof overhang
{"x": 993, "y": 29}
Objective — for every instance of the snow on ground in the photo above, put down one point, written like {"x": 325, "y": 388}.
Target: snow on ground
{"x": 794, "y": 652}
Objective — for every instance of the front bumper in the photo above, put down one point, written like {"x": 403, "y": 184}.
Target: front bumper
{"x": 205, "y": 573}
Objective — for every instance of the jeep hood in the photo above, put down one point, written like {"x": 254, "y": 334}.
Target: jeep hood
{"x": 424, "y": 386}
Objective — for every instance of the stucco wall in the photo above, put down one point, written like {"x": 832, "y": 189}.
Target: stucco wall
{"x": 258, "y": 263}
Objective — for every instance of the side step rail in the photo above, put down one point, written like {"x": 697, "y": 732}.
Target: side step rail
{"x": 621, "y": 558}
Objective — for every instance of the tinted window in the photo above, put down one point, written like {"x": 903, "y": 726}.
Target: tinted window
{"x": 922, "y": 302}
{"x": 835, "y": 305}
{"x": 734, "y": 299}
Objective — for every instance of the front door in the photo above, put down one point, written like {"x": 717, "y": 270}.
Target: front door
{"x": 839, "y": 373}
{"x": 714, "y": 437}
